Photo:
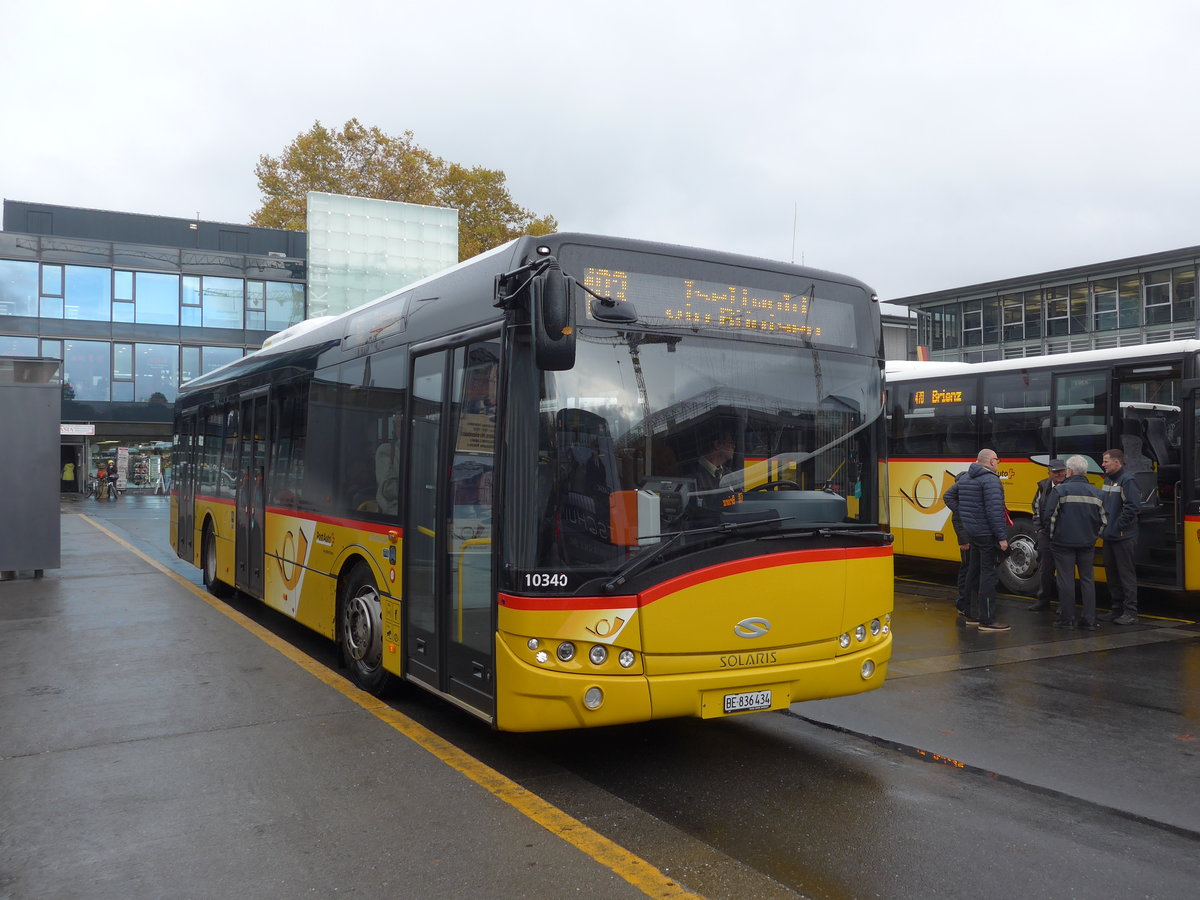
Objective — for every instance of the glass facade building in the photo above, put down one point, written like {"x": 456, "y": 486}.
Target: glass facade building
{"x": 1138, "y": 300}
{"x": 134, "y": 305}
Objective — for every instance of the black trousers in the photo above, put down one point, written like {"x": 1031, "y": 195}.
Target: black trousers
{"x": 1121, "y": 574}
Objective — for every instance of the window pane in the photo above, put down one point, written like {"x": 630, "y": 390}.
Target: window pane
{"x": 157, "y": 372}
{"x": 1130, "y": 301}
{"x": 255, "y": 295}
{"x": 122, "y": 360}
{"x": 285, "y": 305}
{"x": 215, "y": 357}
{"x": 18, "y": 346}
{"x": 1184, "y": 294}
{"x": 190, "y": 316}
{"x": 18, "y": 288}
{"x": 52, "y": 280}
{"x": 122, "y": 312}
{"x": 157, "y": 298}
{"x": 52, "y": 307}
{"x": 122, "y": 285}
{"x": 191, "y": 290}
{"x": 1033, "y": 314}
{"x": 52, "y": 350}
{"x": 86, "y": 367}
{"x": 222, "y": 301}
{"x": 1079, "y": 308}
{"x": 122, "y": 391}
{"x": 88, "y": 293}
{"x": 191, "y": 364}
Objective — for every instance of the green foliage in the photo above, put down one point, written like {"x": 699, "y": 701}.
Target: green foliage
{"x": 366, "y": 162}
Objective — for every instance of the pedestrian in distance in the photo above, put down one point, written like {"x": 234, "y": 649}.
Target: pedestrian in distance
{"x": 978, "y": 498}
{"x": 962, "y": 601}
{"x": 1120, "y": 537}
{"x": 1056, "y": 471}
{"x": 1075, "y": 517}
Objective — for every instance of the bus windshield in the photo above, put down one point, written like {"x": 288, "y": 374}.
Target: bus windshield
{"x": 654, "y": 434}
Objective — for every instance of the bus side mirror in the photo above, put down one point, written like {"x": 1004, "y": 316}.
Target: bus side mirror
{"x": 552, "y": 313}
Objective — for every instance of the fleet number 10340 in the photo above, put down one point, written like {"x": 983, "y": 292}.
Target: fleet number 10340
{"x": 545, "y": 579}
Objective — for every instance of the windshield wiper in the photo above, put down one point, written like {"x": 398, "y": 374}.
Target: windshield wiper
{"x": 640, "y": 561}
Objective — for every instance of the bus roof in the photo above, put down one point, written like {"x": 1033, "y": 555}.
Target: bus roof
{"x": 903, "y": 369}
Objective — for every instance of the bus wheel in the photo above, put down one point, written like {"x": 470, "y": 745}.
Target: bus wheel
{"x": 1019, "y": 567}
{"x": 208, "y": 562}
{"x": 360, "y": 630}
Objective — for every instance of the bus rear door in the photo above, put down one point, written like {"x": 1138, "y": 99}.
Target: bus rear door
{"x": 251, "y": 495}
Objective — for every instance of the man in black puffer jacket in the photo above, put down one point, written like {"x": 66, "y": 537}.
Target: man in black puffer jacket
{"x": 978, "y": 501}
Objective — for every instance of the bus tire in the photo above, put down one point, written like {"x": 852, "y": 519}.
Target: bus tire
{"x": 208, "y": 565}
{"x": 1019, "y": 566}
{"x": 360, "y": 629}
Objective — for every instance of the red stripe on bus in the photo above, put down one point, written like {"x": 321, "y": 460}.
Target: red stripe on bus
{"x": 374, "y": 527}
{"x": 723, "y": 570}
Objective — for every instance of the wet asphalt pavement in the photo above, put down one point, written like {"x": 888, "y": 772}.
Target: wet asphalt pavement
{"x": 148, "y": 748}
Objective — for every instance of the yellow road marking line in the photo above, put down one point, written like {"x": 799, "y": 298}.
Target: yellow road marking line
{"x": 628, "y": 866}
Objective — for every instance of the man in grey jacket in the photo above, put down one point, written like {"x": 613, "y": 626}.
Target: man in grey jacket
{"x": 978, "y": 500}
{"x": 1074, "y": 519}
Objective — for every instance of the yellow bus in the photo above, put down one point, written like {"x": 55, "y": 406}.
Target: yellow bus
{"x": 574, "y": 481}
{"x": 1138, "y": 399}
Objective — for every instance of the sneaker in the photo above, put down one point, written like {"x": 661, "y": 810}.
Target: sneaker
{"x": 1125, "y": 620}
{"x": 1063, "y": 623}
{"x": 994, "y": 626}
{"x": 1109, "y": 617}
{"x": 969, "y": 621}
{"x": 1088, "y": 625}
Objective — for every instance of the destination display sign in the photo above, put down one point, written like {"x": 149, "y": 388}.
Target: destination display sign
{"x": 718, "y": 306}
{"x": 935, "y": 396}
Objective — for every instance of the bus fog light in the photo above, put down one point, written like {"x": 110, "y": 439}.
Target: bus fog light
{"x": 566, "y": 651}
{"x": 593, "y": 697}
{"x": 868, "y": 669}
{"x": 860, "y": 633}
{"x": 542, "y": 657}
{"x": 844, "y": 640}
{"x": 625, "y": 659}
{"x": 598, "y": 654}
{"x": 534, "y": 643}
{"x": 875, "y": 626}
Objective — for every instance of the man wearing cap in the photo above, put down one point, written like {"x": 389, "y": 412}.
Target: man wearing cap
{"x": 1057, "y": 470}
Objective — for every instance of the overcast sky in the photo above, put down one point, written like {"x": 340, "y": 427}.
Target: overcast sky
{"x": 916, "y": 145}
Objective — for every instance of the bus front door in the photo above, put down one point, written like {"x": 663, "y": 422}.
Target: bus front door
{"x": 251, "y": 495}
{"x": 448, "y": 590}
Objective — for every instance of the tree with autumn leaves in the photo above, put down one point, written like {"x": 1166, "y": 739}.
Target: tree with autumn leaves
{"x": 366, "y": 162}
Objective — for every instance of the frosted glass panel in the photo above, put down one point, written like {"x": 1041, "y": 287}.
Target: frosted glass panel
{"x": 360, "y": 249}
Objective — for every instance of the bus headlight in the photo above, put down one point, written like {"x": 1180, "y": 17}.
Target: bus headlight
{"x": 542, "y": 657}
{"x": 868, "y": 669}
{"x": 534, "y": 643}
{"x": 875, "y": 626}
{"x": 844, "y": 640}
{"x": 625, "y": 658}
{"x": 593, "y": 697}
{"x": 598, "y": 654}
{"x": 566, "y": 651}
{"x": 860, "y": 633}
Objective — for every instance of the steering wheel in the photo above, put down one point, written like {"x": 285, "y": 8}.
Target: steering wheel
{"x": 774, "y": 486}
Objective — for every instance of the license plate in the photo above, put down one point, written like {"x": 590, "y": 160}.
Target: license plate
{"x": 747, "y": 701}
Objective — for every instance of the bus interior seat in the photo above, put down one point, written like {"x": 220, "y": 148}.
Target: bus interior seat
{"x": 1133, "y": 446}
{"x": 1156, "y": 438}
